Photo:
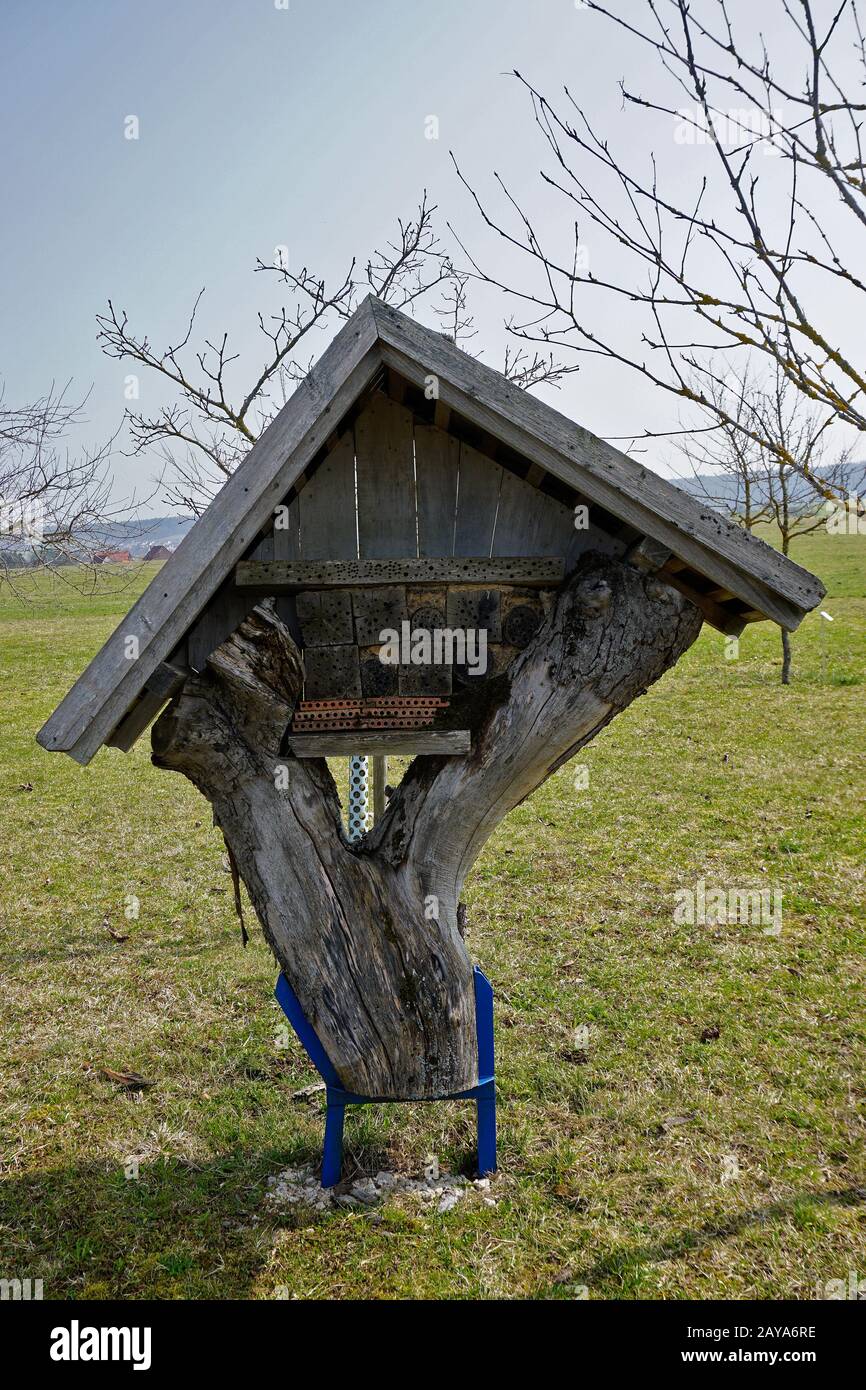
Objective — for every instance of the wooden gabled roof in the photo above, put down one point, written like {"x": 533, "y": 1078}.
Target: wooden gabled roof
{"x": 735, "y": 577}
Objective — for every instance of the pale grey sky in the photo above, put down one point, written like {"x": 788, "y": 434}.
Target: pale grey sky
{"x": 262, "y": 126}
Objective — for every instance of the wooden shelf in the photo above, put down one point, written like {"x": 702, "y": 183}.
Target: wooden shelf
{"x": 404, "y": 743}
{"x": 280, "y": 576}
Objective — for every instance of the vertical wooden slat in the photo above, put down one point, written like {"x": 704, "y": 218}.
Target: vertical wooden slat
{"x": 529, "y": 522}
{"x": 380, "y": 777}
{"x": 477, "y": 498}
{"x": 437, "y": 458}
{"x": 287, "y": 545}
{"x": 386, "y": 481}
{"x": 264, "y": 550}
{"x": 225, "y": 612}
{"x": 327, "y": 507}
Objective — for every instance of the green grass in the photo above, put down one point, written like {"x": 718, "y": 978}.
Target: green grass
{"x": 719, "y": 773}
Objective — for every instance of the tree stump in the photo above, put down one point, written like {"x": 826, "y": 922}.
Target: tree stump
{"x": 368, "y": 933}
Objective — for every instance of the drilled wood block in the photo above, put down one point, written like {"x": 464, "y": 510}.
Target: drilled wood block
{"x": 325, "y": 616}
{"x": 331, "y": 671}
{"x": 425, "y": 680}
{"x": 521, "y": 623}
{"x": 426, "y": 595}
{"x": 375, "y": 610}
{"x": 399, "y": 742}
{"x": 377, "y": 678}
{"x": 278, "y": 576}
{"x": 496, "y": 660}
{"x": 429, "y": 616}
{"x": 476, "y": 608}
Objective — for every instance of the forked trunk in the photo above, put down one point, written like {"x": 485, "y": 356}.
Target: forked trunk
{"x": 367, "y": 933}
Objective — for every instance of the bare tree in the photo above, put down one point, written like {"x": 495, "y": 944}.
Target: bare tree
{"x": 802, "y": 434}
{"x": 202, "y": 436}
{"x": 56, "y": 506}
{"x": 726, "y": 464}
{"x": 748, "y": 259}
{"x": 762, "y": 485}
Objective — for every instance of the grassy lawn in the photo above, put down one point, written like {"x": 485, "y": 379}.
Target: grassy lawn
{"x": 640, "y": 1163}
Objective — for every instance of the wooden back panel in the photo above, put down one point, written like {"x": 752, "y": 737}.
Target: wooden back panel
{"x": 393, "y": 487}
{"x": 384, "y": 458}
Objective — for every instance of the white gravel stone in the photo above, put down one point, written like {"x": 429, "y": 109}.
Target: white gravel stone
{"x": 449, "y": 1198}
{"x": 301, "y": 1187}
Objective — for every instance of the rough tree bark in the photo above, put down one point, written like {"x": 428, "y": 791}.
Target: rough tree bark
{"x": 786, "y": 657}
{"x": 368, "y": 933}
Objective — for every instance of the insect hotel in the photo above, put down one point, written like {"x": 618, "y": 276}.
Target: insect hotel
{"x": 406, "y": 499}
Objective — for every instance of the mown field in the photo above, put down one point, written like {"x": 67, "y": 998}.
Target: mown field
{"x": 704, "y": 1138}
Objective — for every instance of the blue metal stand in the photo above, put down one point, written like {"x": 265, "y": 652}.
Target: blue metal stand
{"x": 484, "y": 1094}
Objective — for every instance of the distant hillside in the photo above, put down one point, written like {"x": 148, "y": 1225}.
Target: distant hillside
{"x": 139, "y": 536}
{"x": 135, "y": 536}
{"x": 721, "y": 488}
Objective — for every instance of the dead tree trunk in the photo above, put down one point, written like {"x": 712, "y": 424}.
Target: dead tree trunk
{"x": 367, "y": 933}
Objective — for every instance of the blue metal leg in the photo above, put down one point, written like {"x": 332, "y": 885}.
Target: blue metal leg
{"x": 484, "y": 1094}
{"x": 486, "y": 1106}
{"x": 332, "y": 1157}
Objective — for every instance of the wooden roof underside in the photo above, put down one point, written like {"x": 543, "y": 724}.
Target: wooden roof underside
{"x": 733, "y": 576}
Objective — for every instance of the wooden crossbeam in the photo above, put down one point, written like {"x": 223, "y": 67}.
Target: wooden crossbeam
{"x": 648, "y": 555}
{"x": 278, "y": 576}
{"x": 397, "y": 743}
{"x": 725, "y": 619}
{"x": 162, "y": 684}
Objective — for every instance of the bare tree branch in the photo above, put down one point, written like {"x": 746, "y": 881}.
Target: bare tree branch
{"x": 56, "y": 507}
{"x": 743, "y": 263}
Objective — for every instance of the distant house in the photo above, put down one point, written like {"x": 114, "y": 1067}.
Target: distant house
{"x": 158, "y": 552}
{"x": 112, "y": 557}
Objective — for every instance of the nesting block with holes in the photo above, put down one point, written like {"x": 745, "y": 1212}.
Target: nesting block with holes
{"x": 377, "y": 610}
{"x": 342, "y": 631}
{"x": 325, "y": 616}
{"x": 425, "y": 680}
{"x": 332, "y": 672}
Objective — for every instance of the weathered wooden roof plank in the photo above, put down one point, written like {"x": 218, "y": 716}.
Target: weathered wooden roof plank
{"x": 110, "y": 684}
{"x": 688, "y": 536}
